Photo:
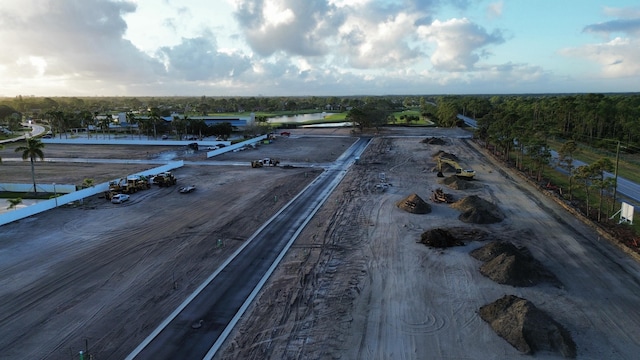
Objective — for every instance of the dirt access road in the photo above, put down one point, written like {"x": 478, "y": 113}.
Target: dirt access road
{"x": 357, "y": 283}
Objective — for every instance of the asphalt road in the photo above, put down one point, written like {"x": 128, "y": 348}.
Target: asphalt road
{"x": 627, "y": 190}
{"x": 200, "y": 325}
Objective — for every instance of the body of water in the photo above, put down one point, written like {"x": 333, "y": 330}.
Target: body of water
{"x": 298, "y": 118}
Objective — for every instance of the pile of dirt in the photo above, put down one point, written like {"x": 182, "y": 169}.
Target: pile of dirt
{"x": 439, "y": 238}
{"x": 505, "y": 263}
{"x": 477, "y": 210}
{"x": 456, "y": 183}
{"x": 414, "y": 204}
{"x": 526, "y": 327}
{"x": 444, "y": 155}
{"x": 434, "y": 141}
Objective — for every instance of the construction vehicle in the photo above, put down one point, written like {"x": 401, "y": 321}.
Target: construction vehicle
{"x": 164, "y": 179}
{"x": 115, "y": 187}
{"x": 439, "y": 196}
{"x": 136, "y": 183}
{"x": 265, "y": 162}
{"x": 462, "y": 173}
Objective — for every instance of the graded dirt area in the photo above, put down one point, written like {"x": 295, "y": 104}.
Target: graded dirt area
{"x": 357, "y": 283}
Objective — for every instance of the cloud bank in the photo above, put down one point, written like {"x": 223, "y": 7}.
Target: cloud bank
{"x": 286, "y": 47}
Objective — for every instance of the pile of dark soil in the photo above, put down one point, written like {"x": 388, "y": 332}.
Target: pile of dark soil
{"x": 505, "y": 263}
{"x": 414, "y": 204}
{"x": 478, "y": 211}
{"x": 439, "y": 238}
{"x": 444, "y": 155}
{"x": 526, "y": 327}
{"x": 455, "y": 183}
{"x": 434, "y": 141}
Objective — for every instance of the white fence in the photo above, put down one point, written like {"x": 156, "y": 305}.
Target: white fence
{"x": 48, "y": 188}
{"x": 22, "y": 213}
{"x": 235, "y": 146}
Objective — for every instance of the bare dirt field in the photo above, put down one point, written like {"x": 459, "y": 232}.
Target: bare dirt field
{"x": 357, "y": 283}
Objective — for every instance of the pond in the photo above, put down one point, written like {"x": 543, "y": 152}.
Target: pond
{"x": 298, "y": 118}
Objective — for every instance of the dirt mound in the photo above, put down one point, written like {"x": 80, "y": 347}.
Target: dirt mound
{"x": 439, "y": 238}
{"x": 434, "y": 141}
{"x": 455, "y": 183}
{"x": 476, "y": 210}
{"x": 444, "y": 155}
{"x": 507, "y": 264}
{"x": 526, "y": 327}
{"x": 414, "y": 204}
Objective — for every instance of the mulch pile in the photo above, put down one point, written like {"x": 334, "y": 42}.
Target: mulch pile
{"x": 507, "y": 264}
{"x": 434, "y": 141}
{"x": 414, "y": 204}
{"x": 456, "y": 183}
{"x": 526, "y": 327}
{"x": 439, "y": 238}
{"x": 477, "y": 210}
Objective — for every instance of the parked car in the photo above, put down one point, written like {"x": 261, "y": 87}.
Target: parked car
{"x": 119, "y": 198}
{"x": 165, "y": 137}
{"x": 187, "y": 189}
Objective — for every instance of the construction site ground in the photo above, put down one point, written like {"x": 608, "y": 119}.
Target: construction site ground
{"x": 357, "y": 283}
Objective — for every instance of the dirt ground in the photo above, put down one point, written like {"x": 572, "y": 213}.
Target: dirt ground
{"x": 357, "y": 283}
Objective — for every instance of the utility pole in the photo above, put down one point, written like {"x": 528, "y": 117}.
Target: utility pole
{"x": 615, "y": 185}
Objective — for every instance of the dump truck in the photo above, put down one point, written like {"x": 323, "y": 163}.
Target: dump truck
{"x": 462, "y": 173}
{"x": 164, "y": 179}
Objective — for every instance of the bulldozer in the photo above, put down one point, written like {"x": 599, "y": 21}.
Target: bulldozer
{"x": 439, "y": 196}
{"x": 136, "y": 183}
{"x": 265, "y": 162}
{"x": 115, "y": 187}
{"x": 164, "y": 179}
{"x": 462, "y": 173}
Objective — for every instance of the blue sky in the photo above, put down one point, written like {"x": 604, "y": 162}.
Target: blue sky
{"x": 317, "y": 47}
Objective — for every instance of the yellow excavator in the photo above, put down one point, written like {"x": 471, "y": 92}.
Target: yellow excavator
{"x": 467, "y": 174}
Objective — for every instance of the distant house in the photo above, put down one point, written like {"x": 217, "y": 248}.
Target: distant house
{"x": 235, "y": 121}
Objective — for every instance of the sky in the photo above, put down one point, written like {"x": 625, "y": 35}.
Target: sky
{"x": 317, "y": 47}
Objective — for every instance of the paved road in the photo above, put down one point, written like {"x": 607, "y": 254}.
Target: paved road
{"x": 35, "y": 130}
{"x": 199, "y": 326}
{"x": 627, "y": 190}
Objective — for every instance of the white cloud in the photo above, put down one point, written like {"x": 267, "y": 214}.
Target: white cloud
{"x": 619, "y": 57}
{"x": 275, "y": 47}
{"x": 494, "y": 10}
{"x": 624, "y": 13}
{"x": 302, "y": 30}
{"x": 459, "y": 43}
{"x": 385, "y": 44}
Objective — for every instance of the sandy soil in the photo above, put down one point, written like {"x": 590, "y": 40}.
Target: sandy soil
{"x": 357, "y": 283}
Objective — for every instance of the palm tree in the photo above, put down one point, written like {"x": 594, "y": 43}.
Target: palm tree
{"x": 14, "y": 202}
{"x": 32, "y": 150}
{"x": 131, "y": 118}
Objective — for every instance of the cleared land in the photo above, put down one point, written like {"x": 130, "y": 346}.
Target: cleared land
{"x": 357, "y": 284}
